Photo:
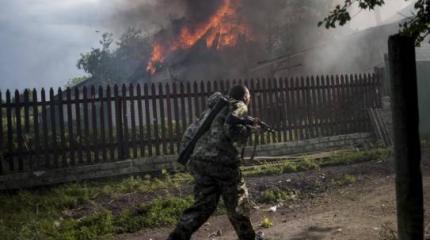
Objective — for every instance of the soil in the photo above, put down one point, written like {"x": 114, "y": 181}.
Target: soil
{"x": 328, "y": 206}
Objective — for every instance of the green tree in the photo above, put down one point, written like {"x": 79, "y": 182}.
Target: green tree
{"x": 97, "y": 61}
{"x": 417, "y": 26}
{"x": 114, "y": 62}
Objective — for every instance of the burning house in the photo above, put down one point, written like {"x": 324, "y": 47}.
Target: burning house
{"x": 210, "y": 44}
{"x": 220, "y": 39}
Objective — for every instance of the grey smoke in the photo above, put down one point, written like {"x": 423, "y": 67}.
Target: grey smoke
{"x": 41, "y": 39}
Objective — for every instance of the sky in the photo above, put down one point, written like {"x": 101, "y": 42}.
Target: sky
{"x": 41, "y": 40}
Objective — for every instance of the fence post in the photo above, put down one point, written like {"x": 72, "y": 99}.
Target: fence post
{"x": 53, "y": 128}
{"x": 379, "y": 73}
{"x": 119, "y": 125}
{"x": 125, "y": 133}
{"x": 407, "y": 152}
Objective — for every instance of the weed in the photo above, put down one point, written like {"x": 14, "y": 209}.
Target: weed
{"x": 266, "y": 223}
{"x": 276, "y": 195}
{"x": 343, "y": 180}
{"x": 164, "y": 211}
{"x": 94, "y": 226}
{"x": 306, "y": 163}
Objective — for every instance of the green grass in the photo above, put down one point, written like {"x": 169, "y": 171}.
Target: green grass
{"x": 276, "y": 195}
{"x": 305, "y": 163}
{"x": 43, "y": 214}
{"x": 79, "y": 210}
{"x": 102, "y": 224}
{"x": 266, "y": 223}
{"x": 343, "y": 180}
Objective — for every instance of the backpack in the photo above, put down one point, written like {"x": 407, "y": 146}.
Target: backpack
{"x": 216, "y": 103}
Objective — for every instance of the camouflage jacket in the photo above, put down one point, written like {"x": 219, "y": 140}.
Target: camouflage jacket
{"x": 222, "y": 142}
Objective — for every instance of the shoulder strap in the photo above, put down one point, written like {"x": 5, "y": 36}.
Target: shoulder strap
{"x": 185, "y": 154}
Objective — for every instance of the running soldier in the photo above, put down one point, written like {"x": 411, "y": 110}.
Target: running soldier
{"x": 215, "y": 164}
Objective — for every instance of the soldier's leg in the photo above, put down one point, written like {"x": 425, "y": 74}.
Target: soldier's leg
{"x": 206, "y": 198}
{"x": 235, "y": 197}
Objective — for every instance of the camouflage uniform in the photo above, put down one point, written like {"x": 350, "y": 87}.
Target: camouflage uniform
{"x": 215, "y": 168}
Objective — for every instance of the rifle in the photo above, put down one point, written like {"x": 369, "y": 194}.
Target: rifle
{"x": 250, "y": 121}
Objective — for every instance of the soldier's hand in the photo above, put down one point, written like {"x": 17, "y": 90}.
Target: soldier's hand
{"x": 257, "y": 128}
{"x": 256, "y": 122}
{"x": 260, "y": 129}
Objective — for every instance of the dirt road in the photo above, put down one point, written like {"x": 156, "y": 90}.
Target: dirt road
{"x": 361, "y": 209}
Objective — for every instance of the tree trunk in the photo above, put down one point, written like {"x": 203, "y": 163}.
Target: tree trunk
{"x": 407, "y": 152}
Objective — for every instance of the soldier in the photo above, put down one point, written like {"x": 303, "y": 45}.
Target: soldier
{"x": 214, "y": 165}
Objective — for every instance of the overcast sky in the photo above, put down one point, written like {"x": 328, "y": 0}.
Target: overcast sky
{"x": 40, "y": 40}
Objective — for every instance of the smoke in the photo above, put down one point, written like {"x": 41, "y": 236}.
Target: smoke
{"x": 42, "y": 40}
{"x": 360, "y": 45}
{"x": 154, "y": 15}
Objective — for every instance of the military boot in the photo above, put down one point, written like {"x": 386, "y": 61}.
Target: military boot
{"x": 178, "y": 235}
{"x": 259, "y": 235}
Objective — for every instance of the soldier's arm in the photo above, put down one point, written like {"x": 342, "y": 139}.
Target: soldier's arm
{"x": 237, "y": 131}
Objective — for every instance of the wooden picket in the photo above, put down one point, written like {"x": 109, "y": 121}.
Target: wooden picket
{"x": 63, "y": 128}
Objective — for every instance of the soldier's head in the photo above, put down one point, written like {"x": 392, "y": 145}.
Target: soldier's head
{"x": 240, "y": 93}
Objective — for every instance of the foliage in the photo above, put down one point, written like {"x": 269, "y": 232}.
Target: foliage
{"x": 110, "y": 64}
{"x": 417, "y": 26}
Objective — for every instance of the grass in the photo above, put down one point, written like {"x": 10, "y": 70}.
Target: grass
{"x": 44, "y": 214}
{"x": 305, "y": 163}
{"x": 266, "y": 223}
{"x": 343, "y": 180}
{"x": 276, "y": 195}
{"x": 102, "y": 224}
{"x": 78, "y": 211}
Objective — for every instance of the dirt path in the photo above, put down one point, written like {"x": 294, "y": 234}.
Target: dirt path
{"x": 362, "y": 210}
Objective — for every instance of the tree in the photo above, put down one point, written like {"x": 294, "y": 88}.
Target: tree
{"x": 110, "y": 64}
{"x": 97, "y": 61}
{"x": 417, "y": 26}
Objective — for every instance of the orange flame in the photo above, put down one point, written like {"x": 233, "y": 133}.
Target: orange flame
{"x": 221, "y": 28}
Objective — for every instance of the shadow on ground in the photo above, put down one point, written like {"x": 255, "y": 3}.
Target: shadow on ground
{"x": 315, "y": 233}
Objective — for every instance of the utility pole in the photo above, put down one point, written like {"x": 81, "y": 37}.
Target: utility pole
{"x": 407, "y": 149}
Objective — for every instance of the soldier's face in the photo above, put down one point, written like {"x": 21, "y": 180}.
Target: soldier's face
{"x": 247, "y": 97}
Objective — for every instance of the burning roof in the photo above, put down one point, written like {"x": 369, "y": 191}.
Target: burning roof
{"x": 222, "y": 29}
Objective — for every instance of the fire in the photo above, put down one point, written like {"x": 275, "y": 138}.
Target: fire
{"x": 222, "y": 28}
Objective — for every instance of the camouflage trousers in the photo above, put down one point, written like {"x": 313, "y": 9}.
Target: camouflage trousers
{"x": 211, "y": 184}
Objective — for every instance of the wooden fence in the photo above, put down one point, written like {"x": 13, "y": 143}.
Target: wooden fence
{"x": 40, "y": 130}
